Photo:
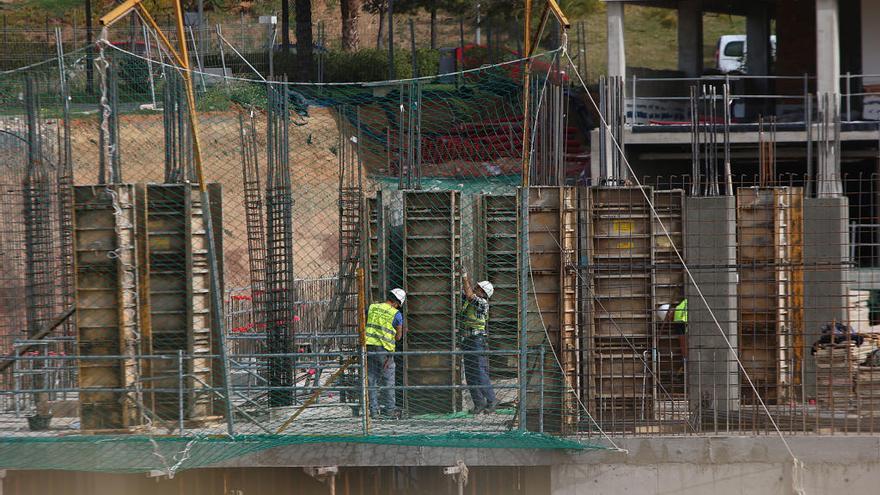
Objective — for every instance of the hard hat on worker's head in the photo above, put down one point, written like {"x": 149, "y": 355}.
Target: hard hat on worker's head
{"x": 399, "y": 295}
{"x": 662, "y": 311}
{"x": 487, "y": 287}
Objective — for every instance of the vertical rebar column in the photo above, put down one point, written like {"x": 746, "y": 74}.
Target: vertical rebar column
{"x": 64, "y": 173}
{"x": 254, "y": 219}
{"x": 39, "y": 270}
{"x": 279, "y": 257}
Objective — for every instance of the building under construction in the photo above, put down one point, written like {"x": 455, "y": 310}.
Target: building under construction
{"x": 184, "y": 292}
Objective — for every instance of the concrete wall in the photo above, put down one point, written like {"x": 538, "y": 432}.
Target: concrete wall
{"x": 710, "y": 243}
{"x": 826, "y": 278}
{"x": 722, "y": 466}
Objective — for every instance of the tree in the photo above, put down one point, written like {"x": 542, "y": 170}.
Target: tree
{"x": 350, "y": 13}
{"x": 377, "y": 7}
{"x": 285, "y": 26}
{"x": 304, "y": 59}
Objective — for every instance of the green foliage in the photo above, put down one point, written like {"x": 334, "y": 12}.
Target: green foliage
{"x": 220, "y": 97}
{"x": 133, "y": 75}
{"x": 372, "y": 65}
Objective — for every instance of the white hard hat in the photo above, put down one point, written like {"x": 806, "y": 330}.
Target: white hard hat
{"x": 662, "y": 311}
{"x": 487, "y": 287}
{"x": 399, "y": 294}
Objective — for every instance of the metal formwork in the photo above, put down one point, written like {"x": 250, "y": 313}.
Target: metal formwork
{"x": 622, "y": 292}
{"x": 106, "y": 291}
{"x": 376, "y": 251}
{"x": 551, "y": 309}
{"x": 669, "y": 288}
{"x": 496, "y": 261}
{"x": 431, "y": 250}
{"x": 175, "y": 293}
{"x": 770, "y": 290}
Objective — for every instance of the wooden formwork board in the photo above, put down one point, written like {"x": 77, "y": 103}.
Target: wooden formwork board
{"x": 551, "y": 307}
{"x": 107, "y": 304}
{"x": 770, "y": 290}
{"x": 495, "y": 260}
{"x": 376, "y": 243}
{"x": 177, "y": 298}
{"x": 621, "y": 260}
{"x": 431, "y": 254}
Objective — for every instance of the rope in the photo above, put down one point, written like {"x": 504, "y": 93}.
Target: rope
{"x": 102, "y": 65}
{"x": 681, "y": 259}
{"x": 361, "y": 83}
{"x": 531, "y": 276}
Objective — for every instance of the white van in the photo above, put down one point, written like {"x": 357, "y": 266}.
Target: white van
{"x": 730, "y": 52}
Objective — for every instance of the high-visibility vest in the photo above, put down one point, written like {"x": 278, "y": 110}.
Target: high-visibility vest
{"x": 470, "y": 320}
{"x": 681, "y": 312}
{"x": 380, "y": 325}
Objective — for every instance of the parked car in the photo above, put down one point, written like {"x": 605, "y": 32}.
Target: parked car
{"x": 730, "y": 53}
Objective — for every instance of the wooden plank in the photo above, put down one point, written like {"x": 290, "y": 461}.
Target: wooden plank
{"x": 105, "y": 264}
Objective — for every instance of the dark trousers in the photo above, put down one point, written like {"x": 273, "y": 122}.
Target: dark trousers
{"x": 476, "y": 371}
{"x": 380, "y": 375}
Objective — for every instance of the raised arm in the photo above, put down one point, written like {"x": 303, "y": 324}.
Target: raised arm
{"x": 466, "y": 285}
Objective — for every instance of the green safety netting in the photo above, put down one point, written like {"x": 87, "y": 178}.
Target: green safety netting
{"x": 412, "y": 181}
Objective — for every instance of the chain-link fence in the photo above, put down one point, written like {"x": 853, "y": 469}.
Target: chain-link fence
{"x": 173, "y": 298}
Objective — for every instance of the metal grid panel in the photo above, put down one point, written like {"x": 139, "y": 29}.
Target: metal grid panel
{"x": 431, "y": 253}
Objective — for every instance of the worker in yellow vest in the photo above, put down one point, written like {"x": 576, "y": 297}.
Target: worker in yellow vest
{"x": 679, "y": 326}
{"x": 473, "y": 318}
{"x": 384, "y": 328}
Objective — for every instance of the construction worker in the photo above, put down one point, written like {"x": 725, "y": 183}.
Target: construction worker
{"x": 384, "y": 329}
{"x": 679, "y": 326}
{"x": 473, "y": 319}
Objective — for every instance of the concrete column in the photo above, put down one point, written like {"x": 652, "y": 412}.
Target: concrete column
{"x": 710, "y": 248}
{"x": 758, "y": 41}
{"x": 827, "y": 47}
{"x": 690, "y": 37}
{"x": 828, "y": 93}
{"x": 758, "y": 59}
{"x": 826, "y": 276}
{"x": 616, "y": 45}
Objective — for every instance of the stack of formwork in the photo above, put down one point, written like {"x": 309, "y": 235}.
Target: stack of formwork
{"x": 431, "y": 254}
{"x": 551, "y": 309}
{"x": 770, "y": 290}
{"x": 837, "y": 370}
{"x": 868, "y": 380}
{"x": 375, "y": 248}
{"x": 176, "y": 299}
{"x": 495, "y": 245}
{"x": 669, "y": 288}
{"x": 106, "y": 305}
{"x": 620, "y": 258}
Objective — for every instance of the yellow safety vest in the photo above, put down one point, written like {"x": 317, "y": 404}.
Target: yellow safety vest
{"x": 470, "y": 320}
{"x": 681, "y": 312}
{"x": 380, "y": 325}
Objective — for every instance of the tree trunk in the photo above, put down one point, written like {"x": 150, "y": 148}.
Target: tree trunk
{"x": 350, "y": 12}
{"x": 285, "y": 26}
{"x": 304, "y": 59}
{"x": 433, "y": 28}
{"x": 381, "y": 30}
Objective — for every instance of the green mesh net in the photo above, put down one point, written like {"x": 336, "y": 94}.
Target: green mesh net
{"x": 322, "y": 198}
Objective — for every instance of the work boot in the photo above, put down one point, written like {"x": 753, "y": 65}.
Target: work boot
{"x": 392, "y": 414}
{"x": 490, "y": 408}
{"x": 478, "y": 408}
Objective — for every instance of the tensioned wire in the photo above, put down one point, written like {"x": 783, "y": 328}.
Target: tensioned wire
{"x": 527, "y": 170}
{"x": 679, "y": 256}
